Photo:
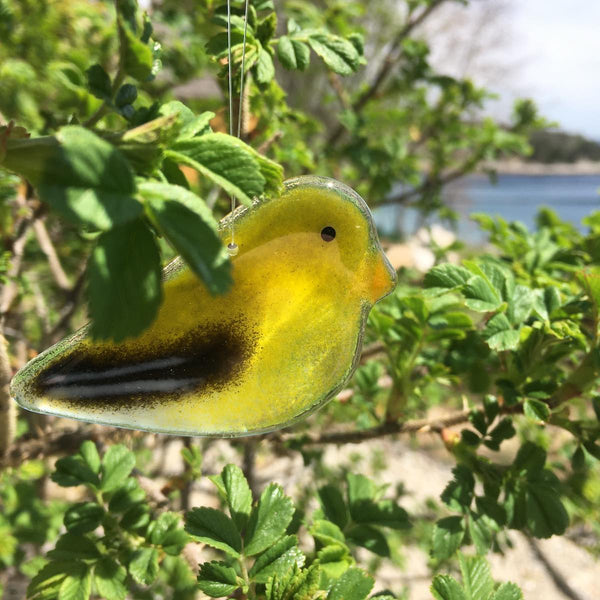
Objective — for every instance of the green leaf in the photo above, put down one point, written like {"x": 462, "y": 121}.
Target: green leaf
{"x": 293, "y": 54}
{"x": 338, "y": 54}
{"x": 225, "y": 161}
{"x": 237, "y": 494}
{"x": 71, "y": 547}
{"x": 536, "y": 410}
{"x": 217, "y": 580}
{"x": 77, "y": 585}
{"x": 370, "y": 538}
{"x": 334, "y": 560}
{"x": 480, "y": 295}
{"x": 214, "y": 528}
{"x": 385, "y": 513}
{"x": 184, "y": 219}
{"x": 354, "y": 584}
{"x": 83, "y": 517}
{"x": 520, "y": 305}
{"x": 46, "y": 584}
{"x": 136, "y": 518}
{"x": 116, "y": 467}
{"x": 166, "y": 532}
{"x": 447, "y": 537}
{"x": 191, "y": 124}
{"x": 269, "y": 520}
{"x": 458, "y": 494}
{"x": 333, "y": 505}
{"x": 327, "y": 532}
{"x": 499, "y": 334}
{"x": 445, "y": 587}
{"x": 359, "y": 488}
{"x": 277, "y": 560}
{"x": 138, "y": 55}
{"x": 477, "y": 579}
{"x": 88, "y": 181}
{"x": 264, "y": 68}
{"x": 143, "y": 565}
{"x": 126, "y": 94}
{"x": 74, "y": 470}
{"x": 124, "y": 282}
{"x": 508, "y": 591}
{"x": 109, "y": 579}
{"x": 99, "y": 83}
{"x": 447, "y": 276}
{"x": 480, "y": 532}
{"x": 126, "y": 496}
{"x": 90, "y": 455}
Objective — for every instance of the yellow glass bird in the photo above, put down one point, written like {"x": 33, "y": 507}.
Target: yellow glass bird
{"x": 274, "y": 348}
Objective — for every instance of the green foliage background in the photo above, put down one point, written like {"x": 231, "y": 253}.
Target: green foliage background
{"x": 93, "y": 201}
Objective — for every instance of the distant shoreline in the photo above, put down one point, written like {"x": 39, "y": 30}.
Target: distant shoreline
{"x": 518, "y": 167}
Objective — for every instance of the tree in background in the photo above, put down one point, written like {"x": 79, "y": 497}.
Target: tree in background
{"x": 94, "y": 140}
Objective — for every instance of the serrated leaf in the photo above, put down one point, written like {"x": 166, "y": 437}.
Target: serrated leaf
{"x": 334, "y": 560}
{"x": 293, "y": 54}
{"x": 216, "y": 579}
{"x": 166, "y": 532}
{"x": 339, "y": 54}
{"x": 90, "y": 455}
{"x": 143, "y": 565}
{"x": 117, "y": 465}
{"x": 385, "y": 513}
{"x": 477, "y": 578}
{"x": 333, "y": 505}
{"x": 458, "y": 494}
{"x": 77, "y": 585}
{"x": 187, "y": 224}
{"x": 445, "y": 587}
{"x": 83, "y": 517}
{"x": 520, "y": 305}
{"x": 46, "y": 584}
{"x": 480, "y": 532}
{"x": 214, "y": 528}
{"x": 447, "y": 276}
{"x": 499, "y": 334}
{"x": 327, "y": 532}
{"x": 74, "y": 470}
{"x": 225, "y": 161}
{"x": 264, "y": 68}
{"x": 536, "y": 410}
{"x": 277, "y": 560}
{"x": 359, "y": 488}
{"x": 370, "y": 538}
{"x": 269, "y": 520}
{"x": 447, "y": 537}
{"x": 191, "y": 124}
{"x": 127, "y": 495}
{"x": 138, "y": 55}
{"x": 480, "y": 295}
{"x": 71, "y": 546}
{"x": 87, "y": 180}
{"x": 124, "y": 288}
{"x": 508, "y": 591}
{"x": 354, "y": 584}
{"x": 237, "y": 495}
{"x": 109, "y": 578}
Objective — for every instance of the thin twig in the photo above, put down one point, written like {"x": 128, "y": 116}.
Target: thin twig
{"x": 45, "y": 243}
{"x": 392, "y": 56}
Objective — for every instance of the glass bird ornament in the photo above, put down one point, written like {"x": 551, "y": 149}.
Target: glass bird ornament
{"x": 277, "y": 346}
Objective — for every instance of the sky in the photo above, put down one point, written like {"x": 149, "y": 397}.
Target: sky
{"x": 558, "y": 45}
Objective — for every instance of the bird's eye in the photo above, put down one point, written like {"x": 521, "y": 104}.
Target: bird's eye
{"x": 328, "y": 234}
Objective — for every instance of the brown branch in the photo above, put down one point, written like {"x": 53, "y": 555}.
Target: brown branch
{"x": 264, "y": 147}
{"x": 7, "y": 409}
{"x": 392, "y": 56}
{"x": 47, "y": 247}
{"x": 355, "y": 437}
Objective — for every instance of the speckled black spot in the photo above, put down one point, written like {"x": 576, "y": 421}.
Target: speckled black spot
{"x": 201, "y": 361}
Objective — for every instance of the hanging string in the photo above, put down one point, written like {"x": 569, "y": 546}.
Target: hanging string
{"x": 232, "y": 247}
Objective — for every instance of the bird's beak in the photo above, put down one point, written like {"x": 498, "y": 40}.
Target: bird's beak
{"x": 383, "y": 278}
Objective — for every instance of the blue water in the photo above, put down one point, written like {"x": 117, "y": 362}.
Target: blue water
{"x": 513, "y": 197}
